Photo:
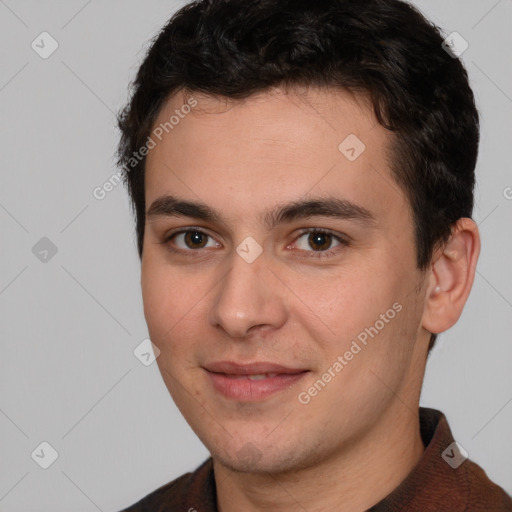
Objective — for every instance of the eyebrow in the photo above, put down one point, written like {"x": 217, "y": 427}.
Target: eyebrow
{"x": 170, "y": 206}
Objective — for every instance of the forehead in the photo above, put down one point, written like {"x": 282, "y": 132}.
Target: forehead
{"x": 271, "y": 116}
{"x": 272, "y": 147}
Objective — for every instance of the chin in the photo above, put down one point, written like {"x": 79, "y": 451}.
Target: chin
{"x": 267, "y": 460}
{"x": 262, "y": 466}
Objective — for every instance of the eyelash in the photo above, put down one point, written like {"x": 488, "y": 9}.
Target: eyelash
{"x": 343, "y": 242}
{"x": 312, "y": 254}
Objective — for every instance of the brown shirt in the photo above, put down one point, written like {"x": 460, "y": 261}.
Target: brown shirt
{"x": 432, "y": 486}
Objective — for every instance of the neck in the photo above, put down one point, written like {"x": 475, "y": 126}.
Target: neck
{"x": 352, "y": 479}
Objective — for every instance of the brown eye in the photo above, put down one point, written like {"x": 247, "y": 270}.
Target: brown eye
{"x": 195, "y": 239}
{"x": 188, "y": 240}
{"x": 320, "y": 241}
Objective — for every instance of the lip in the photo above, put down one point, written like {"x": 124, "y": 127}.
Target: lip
{"x": 232, "y": 380}
{"x": 254, "y": 368}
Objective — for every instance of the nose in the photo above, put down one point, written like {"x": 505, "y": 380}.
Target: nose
{"x": 249, "y": 298}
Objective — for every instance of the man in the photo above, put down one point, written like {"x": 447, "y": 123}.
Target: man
{"x": 302, "y": 176}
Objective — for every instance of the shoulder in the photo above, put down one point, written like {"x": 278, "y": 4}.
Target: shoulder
{"x": 444, "y": 478}
{"x": 480, "y": 492}
{"x": 167, "y": 496}
{"x": 466, "y": 484}
{"x": 455, "y": 481}
{"x": 181, "y": 493}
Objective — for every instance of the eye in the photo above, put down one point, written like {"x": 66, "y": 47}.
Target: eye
{"x": 190, "y": 239}
{"x": 319, "y": 241}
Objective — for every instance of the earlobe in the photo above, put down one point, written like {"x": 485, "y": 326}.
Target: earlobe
{"x": 451, "y": 277}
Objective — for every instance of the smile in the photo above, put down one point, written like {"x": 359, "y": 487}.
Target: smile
{"x": 252, "y": 382}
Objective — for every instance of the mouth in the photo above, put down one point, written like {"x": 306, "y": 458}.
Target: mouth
{"x": 252, "y": 382}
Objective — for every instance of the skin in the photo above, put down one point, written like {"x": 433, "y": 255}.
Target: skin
{"x": 358, "y": 438}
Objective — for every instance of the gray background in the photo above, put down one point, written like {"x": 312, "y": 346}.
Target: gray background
{"x": 68, "y": 328}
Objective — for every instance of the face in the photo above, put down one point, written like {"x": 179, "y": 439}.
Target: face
{"x": 279, "y": 275}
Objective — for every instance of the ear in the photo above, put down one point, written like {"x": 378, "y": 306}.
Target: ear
{"x": 451, "y": 277}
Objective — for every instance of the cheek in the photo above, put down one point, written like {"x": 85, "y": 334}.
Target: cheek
{"x": 366, "y": 313}
{"x": 342, "y": 303}
{"x": 173, "y": 312}
{"x": 156, "y": 296}
{"x": 171, "y": 301}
